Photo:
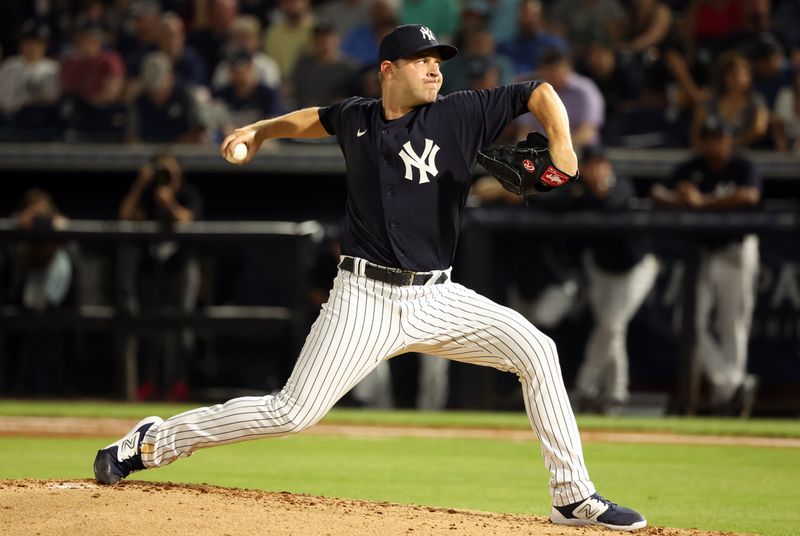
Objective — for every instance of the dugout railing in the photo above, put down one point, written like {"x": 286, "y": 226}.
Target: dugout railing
{"x": 473, "y": 269}
{"x": 289, "y": 320}
{"x": 484, "y": 224}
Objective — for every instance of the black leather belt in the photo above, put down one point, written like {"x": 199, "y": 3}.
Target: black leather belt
{"x": 401, "y": 279}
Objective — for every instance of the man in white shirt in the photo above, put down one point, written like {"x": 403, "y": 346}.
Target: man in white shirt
{"x": 29, "y": 82}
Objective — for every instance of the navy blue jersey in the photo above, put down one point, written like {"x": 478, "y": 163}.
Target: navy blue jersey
{"x": 738, "y": 172}
{"x": 612, "y": 252}
{"x": 408, "y": 179}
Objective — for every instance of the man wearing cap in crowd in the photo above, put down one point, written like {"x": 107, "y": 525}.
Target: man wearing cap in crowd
{"x": 408, "y": 158}
{"x": 322, "y": 76}
{"x": 29, "y": 85}
{"x": 93, "y": 78}
{"x": 246, "y": 98}
{"x": 718, "y": 180}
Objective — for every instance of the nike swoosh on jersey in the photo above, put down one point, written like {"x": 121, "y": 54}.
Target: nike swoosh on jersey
{"x": 361, "y": 132}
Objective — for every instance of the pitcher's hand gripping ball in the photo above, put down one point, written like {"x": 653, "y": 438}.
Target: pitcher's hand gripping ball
{"x": 238, "y": 154}
{"x": 524, "y": 168}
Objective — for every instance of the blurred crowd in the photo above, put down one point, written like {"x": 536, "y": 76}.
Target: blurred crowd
{"x": 714, "y": 75}
{"x": 635, "y": 73}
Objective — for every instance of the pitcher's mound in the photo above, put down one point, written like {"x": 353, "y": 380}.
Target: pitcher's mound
{"x": 136, "y": 508}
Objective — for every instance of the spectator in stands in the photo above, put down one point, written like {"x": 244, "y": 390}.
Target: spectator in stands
{"x": 619, "y": 275}
{"x": 771, "y": 70}
{"x": 161, "y": 277}
{"x": 504, "y": 15}
{"x": 786, "y": 124}
{"x": 361, "y": 43}
{"x": 140, "y": 35}
{"x": 642, "y": 37}
{"x": 531, "y": 39}
{"x": 93, "y": 79}
{"x": 245, "y": 98}
{"x": 582, "y": 99}
{"x": 687, "y": 70}
{"x": 482, "y": 73}
{"x": 29, "y": 86}
{"x": 167, "y": 111}
{"x": 710, "y": 24}
{"x": 42, "y": 278}
{"x": 477, "y": 48}
{"x": 717, "y": 180}
{"x": 646, "y": 26}
{"x": 212, "y": 28}
{"x": 322, "y": 76}
{"x": 785, "y": 20}
{"x": 758, "y": 25}
{"x": 111, "y": 16}
{"x": 186, "y": 62}
{"x": 619, "y": 89}
{"x": 344, "y": 14}
{"x": 289, "y": 35}
{"x": 246, "y": 34}
{"x": 582, "y": 22}
{"x": 734, "y": 101}
{"x": 440, "y": 16}
{"x": 474, "y": 16}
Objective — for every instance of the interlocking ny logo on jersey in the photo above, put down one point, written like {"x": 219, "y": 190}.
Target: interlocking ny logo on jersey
{"x": 427, "y": 33}
{"x": 412, "y": 159}
{"x": 128, "y": 447}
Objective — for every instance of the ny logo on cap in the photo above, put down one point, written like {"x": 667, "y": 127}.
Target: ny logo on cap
{"x": 412, "y": 160}
{"x": 427, "y": 33}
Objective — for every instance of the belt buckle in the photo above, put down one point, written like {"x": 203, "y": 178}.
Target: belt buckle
{"x": 408, "y": 278}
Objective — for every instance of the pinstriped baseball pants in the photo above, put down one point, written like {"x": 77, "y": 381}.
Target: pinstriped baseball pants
{"x": 367, "y": 321}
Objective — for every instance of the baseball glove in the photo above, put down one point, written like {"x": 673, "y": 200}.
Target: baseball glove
{"x": 524, "y": 168}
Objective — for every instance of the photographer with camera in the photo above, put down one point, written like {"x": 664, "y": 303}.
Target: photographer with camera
{"x": 162, "y": 276}
{"x": 40, "y": 276}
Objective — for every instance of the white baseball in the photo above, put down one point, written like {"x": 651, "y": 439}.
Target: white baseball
{"x": 239, "y": 152}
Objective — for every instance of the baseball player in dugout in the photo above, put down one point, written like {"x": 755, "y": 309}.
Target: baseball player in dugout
{"x": 716, "y": 179}
{"x": 408, "y": 157}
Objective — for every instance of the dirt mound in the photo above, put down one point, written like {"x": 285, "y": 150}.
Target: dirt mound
{"x": 82, "y": 507}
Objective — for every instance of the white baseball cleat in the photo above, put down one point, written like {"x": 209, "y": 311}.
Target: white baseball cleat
{"x": 123, "y": 457}
{"x": 597, "y": 511}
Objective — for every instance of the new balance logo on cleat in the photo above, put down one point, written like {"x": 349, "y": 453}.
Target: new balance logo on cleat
{"x": 590, "y": 509}
{"x": 123, "y": 457}
{"x": 128, "y": 448}
{"x": 596, "y": 510}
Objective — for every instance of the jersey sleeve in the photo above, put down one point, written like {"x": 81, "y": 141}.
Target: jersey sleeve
{"x": 331, "y": 116}
{"x": 480, "y": 116}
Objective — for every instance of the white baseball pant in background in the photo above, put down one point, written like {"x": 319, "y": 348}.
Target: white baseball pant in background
{"x": 726, "y": 288}
{"x": 366, "y": 322}
{"x": 614, "y": 299}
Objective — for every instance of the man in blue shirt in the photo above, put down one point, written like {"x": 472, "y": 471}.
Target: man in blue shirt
{"x": 408, "y": 157}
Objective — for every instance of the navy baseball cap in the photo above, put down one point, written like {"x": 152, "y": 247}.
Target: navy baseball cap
{"x": 409, "y": 39}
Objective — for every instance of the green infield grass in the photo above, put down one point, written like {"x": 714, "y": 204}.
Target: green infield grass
{"x": 727, "y": 488}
